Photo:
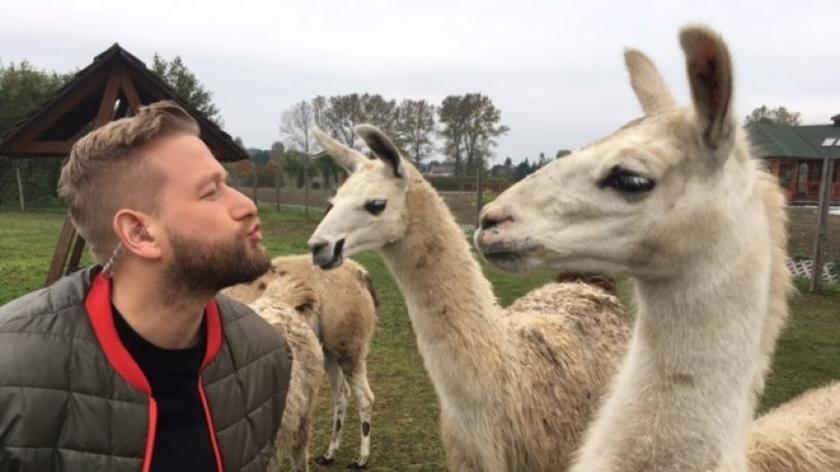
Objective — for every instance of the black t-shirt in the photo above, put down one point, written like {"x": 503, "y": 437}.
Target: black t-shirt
{"x": 182, "y": 441}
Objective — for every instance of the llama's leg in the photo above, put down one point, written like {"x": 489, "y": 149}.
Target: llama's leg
{"x": 364, "y": 400}
{"x": 340, "y": 399}
{"x": 455, "y": 458}
{"x": 299, "y": 448}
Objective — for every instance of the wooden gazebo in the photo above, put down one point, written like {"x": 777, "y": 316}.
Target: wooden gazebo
{"x": 115, "y": 85}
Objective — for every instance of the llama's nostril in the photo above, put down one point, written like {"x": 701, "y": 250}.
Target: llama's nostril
{"x": 317, "y": 247}
{"x": 493, "y": 218}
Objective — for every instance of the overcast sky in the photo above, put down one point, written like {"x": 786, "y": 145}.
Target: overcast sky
{"x": 553, "y": 68}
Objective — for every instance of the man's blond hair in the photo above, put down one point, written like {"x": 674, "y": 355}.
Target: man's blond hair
{"x": 106, "y": 173}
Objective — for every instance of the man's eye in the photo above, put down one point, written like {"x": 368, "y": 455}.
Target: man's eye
{"x": 211, "y": 192}
{"x": 375, "y": 207}
{"x": 627, "y": 181}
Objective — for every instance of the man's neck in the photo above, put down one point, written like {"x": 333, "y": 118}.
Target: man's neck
{"x": 150, "y": 314}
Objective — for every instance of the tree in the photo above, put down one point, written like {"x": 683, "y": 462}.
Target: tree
{"x": 329, "y": 170}
{"x": 23, "y": 88}
{"x": 543, "y": 160}
{"x": 778, "y": 115}
{"x": 259, "y": 156}
{"x": 298, "y": 125}
{"x": 293, "y": 163}
{"x": 522, "y": 170}
{"x": 470, "y": 128}
{"x": 415, "y": 125}
{"x": 276, "y": 164}
{"x": 340, "y": 114}
{"x": 176, "y": 74}
{"x": 562, "y": 153}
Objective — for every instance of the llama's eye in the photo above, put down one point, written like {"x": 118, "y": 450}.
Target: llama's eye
{"x": 375, "y": 207}
{"x": 627, "y": 181}
{"x": 329, "y": 207}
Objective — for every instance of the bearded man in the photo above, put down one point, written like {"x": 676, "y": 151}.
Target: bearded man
{"x": 137, "y": 364}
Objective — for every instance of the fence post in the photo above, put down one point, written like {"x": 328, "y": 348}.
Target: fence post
{"x": 306, "y": 185}
{"x": 255, "y": 184}
{"x": 479, "y": 188}
{"x": 20, "y": 188}
{"x": 277, "y": 186}
{"x": 822, "y": 217}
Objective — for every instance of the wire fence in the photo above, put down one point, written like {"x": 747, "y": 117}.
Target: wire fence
{"x": 30, "y": 185}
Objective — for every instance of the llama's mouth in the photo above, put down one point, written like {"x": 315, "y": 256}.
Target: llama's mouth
{"x": 328, "y": 258}
{"x": 511, "y": 261}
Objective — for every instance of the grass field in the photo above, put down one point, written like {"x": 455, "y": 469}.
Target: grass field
{"x": 404, "y": 435}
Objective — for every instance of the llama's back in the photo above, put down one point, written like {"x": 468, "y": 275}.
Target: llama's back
{"x": 343, "y": 299}
{"x": 570, "y": 340}
{"x": 594, "y": 309}
{"x": 802, "y": 435}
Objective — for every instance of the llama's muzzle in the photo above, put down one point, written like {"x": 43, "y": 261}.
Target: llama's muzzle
{"x": 327, "y": 255}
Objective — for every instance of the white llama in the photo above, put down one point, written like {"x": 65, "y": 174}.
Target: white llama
{"x": 516, "y": 388}
{"x": 340, "y": 308}
{"x": 676, "y": 201}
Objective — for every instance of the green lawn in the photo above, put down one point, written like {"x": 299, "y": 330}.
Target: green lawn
{"x": 404, "y": 436}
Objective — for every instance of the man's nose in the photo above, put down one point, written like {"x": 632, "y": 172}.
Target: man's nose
{"x": 243, "y": 206}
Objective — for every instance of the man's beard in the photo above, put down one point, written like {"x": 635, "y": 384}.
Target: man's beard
{"x": 200, "y": 268}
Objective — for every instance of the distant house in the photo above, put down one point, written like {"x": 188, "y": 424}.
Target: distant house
{"x": 795, "y": 155}
{"x": 442, "y": 169}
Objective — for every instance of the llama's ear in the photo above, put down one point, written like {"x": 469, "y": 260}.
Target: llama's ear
{"x": 345, "y": 156}
{"x": 381, "y": 146}
{"x": 710, "y": 77}
{"x": 648, "y": 85}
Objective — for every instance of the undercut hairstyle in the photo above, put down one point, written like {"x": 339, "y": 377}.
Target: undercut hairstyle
{"x": 106, "y": 172}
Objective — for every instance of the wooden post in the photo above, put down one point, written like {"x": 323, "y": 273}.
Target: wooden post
{"x": 277, "y": 184}
{"x": 75, "y": 255}
{"x": 20, "y": 188}
{"x": 306, "y": 184}
{"x": 254, "y": 183}
{"x": 822, "y": 217}
{"x": 62, "y": 250}
{"x": 479, "y": 187}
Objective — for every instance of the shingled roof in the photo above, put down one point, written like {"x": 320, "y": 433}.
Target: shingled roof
{"x": 771, "y": 140}
{"x": 114, "y": 83}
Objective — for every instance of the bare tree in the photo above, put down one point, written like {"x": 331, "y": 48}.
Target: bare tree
{"x": 297, "y": 124}
{"x": 415, "y": 125}
{"x": 780, "y": 115}
{"x": 342, "y": 113}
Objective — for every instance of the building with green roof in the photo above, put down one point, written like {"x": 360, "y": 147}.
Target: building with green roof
{"x": 795, "y": 155}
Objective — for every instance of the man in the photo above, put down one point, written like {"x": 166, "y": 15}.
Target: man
{"x": 139, "y": 365}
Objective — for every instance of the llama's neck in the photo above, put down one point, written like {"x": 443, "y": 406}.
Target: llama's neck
{"x": 451, "y": 304}
{"x": 685, "y": 396}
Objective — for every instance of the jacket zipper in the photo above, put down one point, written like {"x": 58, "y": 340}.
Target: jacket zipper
{"x": 210, "y": 426}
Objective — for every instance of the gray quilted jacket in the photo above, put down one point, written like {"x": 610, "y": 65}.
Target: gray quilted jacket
{"x": 72, "y": 398}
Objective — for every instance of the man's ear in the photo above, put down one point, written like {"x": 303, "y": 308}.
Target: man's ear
{"x": 135, "y": 233}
